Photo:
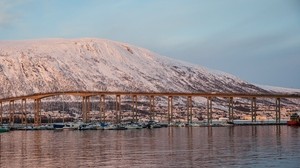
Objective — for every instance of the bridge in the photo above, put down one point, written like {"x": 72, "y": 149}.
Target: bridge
{"x": 86, "y": 95}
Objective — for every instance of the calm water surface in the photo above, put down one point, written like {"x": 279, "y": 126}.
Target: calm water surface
{"x": 239, "y": 146}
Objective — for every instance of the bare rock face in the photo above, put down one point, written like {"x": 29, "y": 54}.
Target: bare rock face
{"x": 28, "y": 67}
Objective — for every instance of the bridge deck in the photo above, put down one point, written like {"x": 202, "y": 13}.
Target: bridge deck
{"x": 185, "y": 94}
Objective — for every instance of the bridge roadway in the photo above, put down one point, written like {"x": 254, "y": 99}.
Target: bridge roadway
{"x": 87, "y": 94}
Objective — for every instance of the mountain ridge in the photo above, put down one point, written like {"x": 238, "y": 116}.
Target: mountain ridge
{"x": 46, "y": 65}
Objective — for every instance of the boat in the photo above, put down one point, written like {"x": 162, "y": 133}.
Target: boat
{"x": 179, "y": 124}
{"x": 120, "y": 127}
{"x": 85, "y": 126}
{"x": 153, "y": 124}
{"x": 58, "y": 125}
{"x": 41, "y": 127}
{"x": 133, "y": 126}
{"x": 100, "y": 125}
{"x": 192, "y": 124}
{"x": 25, "y": 128}
{"x": 72, "y": 125}
{"x": 109, "y": 127}
{"x": 114, "y": 127}
{"x": 4, "y": 129}
{"x": 294, "y": 120}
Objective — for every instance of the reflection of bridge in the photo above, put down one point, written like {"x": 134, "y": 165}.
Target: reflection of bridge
{"x": 87, "y": 94}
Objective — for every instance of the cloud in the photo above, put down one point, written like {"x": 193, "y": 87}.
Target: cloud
{"x": 5, "y": 16}
{"x": 7, "y": 13}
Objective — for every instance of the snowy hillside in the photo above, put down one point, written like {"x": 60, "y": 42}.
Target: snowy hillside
{"x": 280, "y": 89}
{"x": 28, "y": 67}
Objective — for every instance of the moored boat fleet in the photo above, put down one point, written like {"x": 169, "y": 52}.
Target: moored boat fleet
{"x": 107, "y": 125}
{"x": 86, "y": 126}
{"x": 79, "y": 125}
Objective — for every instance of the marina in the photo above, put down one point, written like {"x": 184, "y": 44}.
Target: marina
{"x": 133, "y": 125}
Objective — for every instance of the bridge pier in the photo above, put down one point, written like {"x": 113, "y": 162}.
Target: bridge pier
{"x": 134, "y": 108}
{"x": 189, "y": 110}
{"x": 230, "y": 110}
{"x": 37, "y": 112}
{"x": 89, "y": 109}
{"x": 83, "y": 109}
{"x": 86, "y": 108}
{"x": 152, "y": 112}
{"x": 11, "y": 112}
{"x": 118, "y": 109}
{"x": 209, "y": 110}
{"x": 253, "y": 109}
{"x": 102, "y": 108}
{"x": 1, "y": 113}
{"x": 170, "y": 109}
{"x": 277, "y": 110}
{"x": 24, "y": 112}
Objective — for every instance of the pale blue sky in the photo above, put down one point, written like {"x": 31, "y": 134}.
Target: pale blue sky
{"x": 256, "y": 40}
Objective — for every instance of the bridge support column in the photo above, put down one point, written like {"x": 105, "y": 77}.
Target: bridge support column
{"x": 102, "y": 108}
{"x": 37, "y": 112}
{"x": 134, "y": 108}
{"x": 277, "y": 110}
{"x": 118, "y": 109}
{"x": 152, "y": 113}
{"x": 85, "y": 108}
{"x": 11, "y": 112}
{"x": 230, "y": 110}
{"x": 209, "y": 110}
{"x": 189, "y": 110}
{"x": 170, "y": 109}
{"x": 253, "y": 109}
{"x": 24, "y": 112}
{"x": 1, "y": 113}
{"x": 88, "y": 108}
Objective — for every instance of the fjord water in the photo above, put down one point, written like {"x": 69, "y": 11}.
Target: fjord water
{"x": 238, "y": 146}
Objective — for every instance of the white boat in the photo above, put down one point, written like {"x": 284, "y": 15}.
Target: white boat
{"x": 133, "y": 126}
{"x": 86, "y": 126}
{"x": 114, "y": 127}
{"x": 194, "y": 124}
{"x": 72, "y": 125}
{"x": 180, "y": 124}
{"x": 67, "y": 125}
{"x": 109, "y": 127}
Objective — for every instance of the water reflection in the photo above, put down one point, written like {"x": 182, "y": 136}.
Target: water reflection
{"x": 271, "y": 146}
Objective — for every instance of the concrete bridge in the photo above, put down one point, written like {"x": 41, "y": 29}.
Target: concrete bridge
{"x": 86, "y": 95}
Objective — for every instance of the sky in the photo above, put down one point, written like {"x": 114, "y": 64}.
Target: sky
{"x": 255, "y": 40}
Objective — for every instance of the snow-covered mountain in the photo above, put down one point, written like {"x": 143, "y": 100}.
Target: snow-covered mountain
{"x": 28, "y": 67}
